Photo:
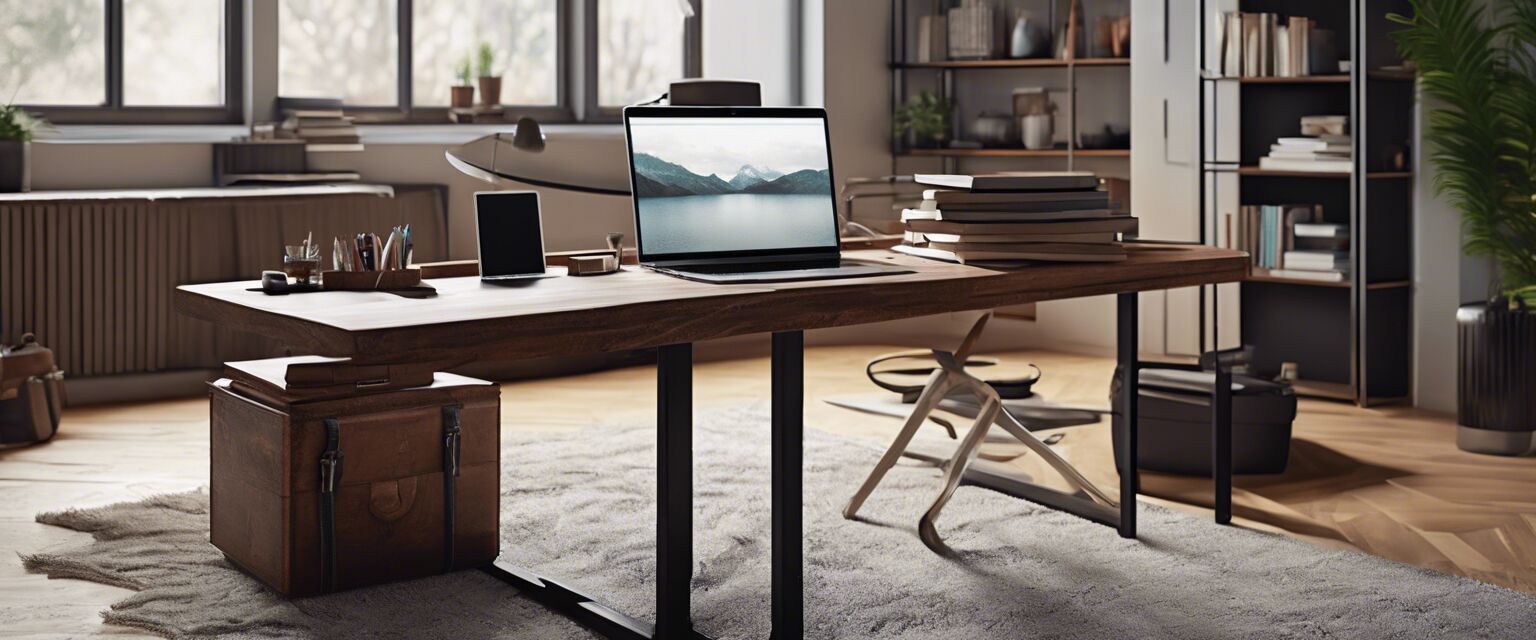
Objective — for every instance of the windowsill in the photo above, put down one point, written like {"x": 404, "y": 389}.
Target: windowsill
{"x": 432, "y": 134}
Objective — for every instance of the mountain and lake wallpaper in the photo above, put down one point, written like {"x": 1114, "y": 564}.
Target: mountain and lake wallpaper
{"x": 705, "y": 185}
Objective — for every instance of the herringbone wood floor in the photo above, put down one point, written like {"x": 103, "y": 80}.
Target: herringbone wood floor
{"x": 1386, "y": 481}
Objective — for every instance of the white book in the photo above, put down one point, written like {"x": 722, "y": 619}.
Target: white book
{"x": 1319, "y": 276}
{"x": 1320, "y": 230}
{"x": 1001, "y": 216}
{"x": 1287, "y": 154}
{"x": 333, "y": 147}
{"x": 1088, "y": 238}
{"x": 1317, "y": 166}
{"x": 1322, "y": 143}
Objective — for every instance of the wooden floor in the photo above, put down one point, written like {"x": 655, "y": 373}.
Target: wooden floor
{"x": 1386, "y": 481}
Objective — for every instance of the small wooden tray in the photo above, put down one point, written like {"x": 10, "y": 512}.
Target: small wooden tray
{"x": 370, "y": 280}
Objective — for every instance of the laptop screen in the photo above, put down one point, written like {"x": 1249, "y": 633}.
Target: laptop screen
{"x": 713, "y": 183}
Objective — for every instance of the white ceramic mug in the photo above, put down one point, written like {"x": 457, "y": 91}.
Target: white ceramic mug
{"x": 1037, "y": 130}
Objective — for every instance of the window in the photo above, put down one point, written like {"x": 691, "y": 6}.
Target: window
{"x": 523, "y": 34}
{"x": 339, "y": 49}
{"x": 122, "y": 61}
{"x": 352, "y": 49}
{"x": 640, "y": 50}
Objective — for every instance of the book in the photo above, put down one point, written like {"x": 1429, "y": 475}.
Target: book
{"x": 1004, "y": 258}
{"x": 1013, "y": 181}
{"x": 1029, "y": 247}
{"x": 1232, "y": 46}
{"x": 1324, "y": 125}
{"x": 1001, "y": 216}
{"x": 1319, "y": 166}
{"x": 1288, "y": 154}
{"x": 332, "y": 147}
{"x": 946, "y": 196}
{"x": 1319, "y": 276}
{"x": 1004, "y": 238}
{"x": 1021, "y": 208}
{"x": 1316, "y": 260}
{"x": 1321, "y": 230}
{"x": 1321, "y": 143}
{"x": 1114, "y": 224}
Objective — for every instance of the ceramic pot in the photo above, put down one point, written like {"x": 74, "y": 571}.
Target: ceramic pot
{"x": 1496, "y": 351}
{"x": 463, "y": 96}
{"x": 992, "y": 129}
{"x": 1037, "y": 130}
{"x": 15, "y": 166}
{"x": 490, "y": 90}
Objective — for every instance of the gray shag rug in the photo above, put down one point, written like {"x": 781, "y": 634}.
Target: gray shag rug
{"x": 580, "y": 506}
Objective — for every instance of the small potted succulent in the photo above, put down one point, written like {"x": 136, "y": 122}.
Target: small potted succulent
{"x": 17, "y": 128}
{"x": 463, "y": 92}
{"x": 925, "y": 118}
{"x": 490, "y": 80}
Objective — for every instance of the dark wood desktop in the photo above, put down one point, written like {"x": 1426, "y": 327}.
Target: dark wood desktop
{"x": 636, "y": 309}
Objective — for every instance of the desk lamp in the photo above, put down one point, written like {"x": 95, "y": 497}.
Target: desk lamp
{"x": 584, "y": 161}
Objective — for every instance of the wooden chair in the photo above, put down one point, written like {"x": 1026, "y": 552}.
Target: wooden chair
{"x": 951, "y": 377}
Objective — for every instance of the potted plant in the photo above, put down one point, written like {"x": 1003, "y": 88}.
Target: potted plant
{"x": 1476, "y": 59}
{"x": 17, "y": 128}
{"x": 925, "y": 118}
{"x": 490, "y": 80}
{"x": 463, "y": 93}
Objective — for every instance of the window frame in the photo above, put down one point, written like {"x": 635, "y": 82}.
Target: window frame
{"x": 693, "y": 60}
{"x": 113, "y": 111}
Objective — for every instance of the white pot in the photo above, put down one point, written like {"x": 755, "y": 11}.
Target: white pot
{"x": 1037, "y": 131}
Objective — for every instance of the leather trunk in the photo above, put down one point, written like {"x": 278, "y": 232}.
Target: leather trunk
{"x": 398, "y": 509}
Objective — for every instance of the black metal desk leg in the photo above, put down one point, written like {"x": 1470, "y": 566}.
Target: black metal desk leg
{"x": 788, "y": 453}
{"x": 674, "y": 489}
{"x": 1126, "y": 354}
{"x": 1221, "y": 442}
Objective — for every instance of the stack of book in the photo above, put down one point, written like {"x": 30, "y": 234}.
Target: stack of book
{"x": 323, "y": 129}
{"x": 1325, "y": 147}
{"x": 1320, "y": 252}
{"x": 1013, "y": 218}
{"x": 1267, "y": 231}
{"x": 1269, "y": 45}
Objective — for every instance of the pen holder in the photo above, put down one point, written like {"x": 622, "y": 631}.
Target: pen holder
{"x": 370, "y": 280}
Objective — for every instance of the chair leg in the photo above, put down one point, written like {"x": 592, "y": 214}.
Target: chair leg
{"x": 933, "y": 392}
{"x": 956, "y": 472}
{"x": 1073, "y": 477}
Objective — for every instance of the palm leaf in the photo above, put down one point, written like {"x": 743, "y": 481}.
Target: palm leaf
{"x": 1477, "y": 59}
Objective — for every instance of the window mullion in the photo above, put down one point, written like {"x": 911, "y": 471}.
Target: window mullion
{"x": 403, "y": 73}
{"x": 114, "y": 9}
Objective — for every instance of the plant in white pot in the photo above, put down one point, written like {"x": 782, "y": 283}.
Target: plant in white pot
{"x": 490, "y": 79}
{"x": 1479, "y": 60}
{"x": 17, "y": 128}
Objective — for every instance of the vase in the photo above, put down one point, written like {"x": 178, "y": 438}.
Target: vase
{"x": 490, "y": 91}
{"x": 1038, "y": 131}
{"x": 1495, "y": 405}
{"x": 15, "y": 166}
{"x": 462, "y": 97}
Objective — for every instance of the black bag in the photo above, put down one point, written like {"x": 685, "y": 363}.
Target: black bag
{"x": 31, "y": 393}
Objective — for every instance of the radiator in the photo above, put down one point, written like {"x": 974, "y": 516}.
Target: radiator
{"x": 93, "y": 276}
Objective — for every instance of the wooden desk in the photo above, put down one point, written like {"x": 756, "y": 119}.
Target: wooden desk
{"x": 470, "y": 320}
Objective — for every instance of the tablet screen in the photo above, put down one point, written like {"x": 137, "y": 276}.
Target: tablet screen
{"x": 511, "y": 242}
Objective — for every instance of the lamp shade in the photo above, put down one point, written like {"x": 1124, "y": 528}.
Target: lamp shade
{"x": 580, "y": 159}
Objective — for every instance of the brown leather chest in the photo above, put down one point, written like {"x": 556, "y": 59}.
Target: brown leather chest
{"x": 324, "y": 494}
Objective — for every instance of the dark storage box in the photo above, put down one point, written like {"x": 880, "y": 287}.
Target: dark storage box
{"x": 412, "y": 485}
{"x": 1175, "y": 433}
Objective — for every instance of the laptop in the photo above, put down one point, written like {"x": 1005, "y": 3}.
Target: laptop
{"x": 736, "y": 194}
{"x": 510, "y": 236}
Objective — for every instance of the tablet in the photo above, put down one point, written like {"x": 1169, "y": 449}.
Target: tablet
{"x": 509, "y": 235}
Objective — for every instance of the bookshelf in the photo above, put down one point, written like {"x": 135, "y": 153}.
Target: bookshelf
{"x": 1350, "y": 339}
{"x": 988, "y": 84}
